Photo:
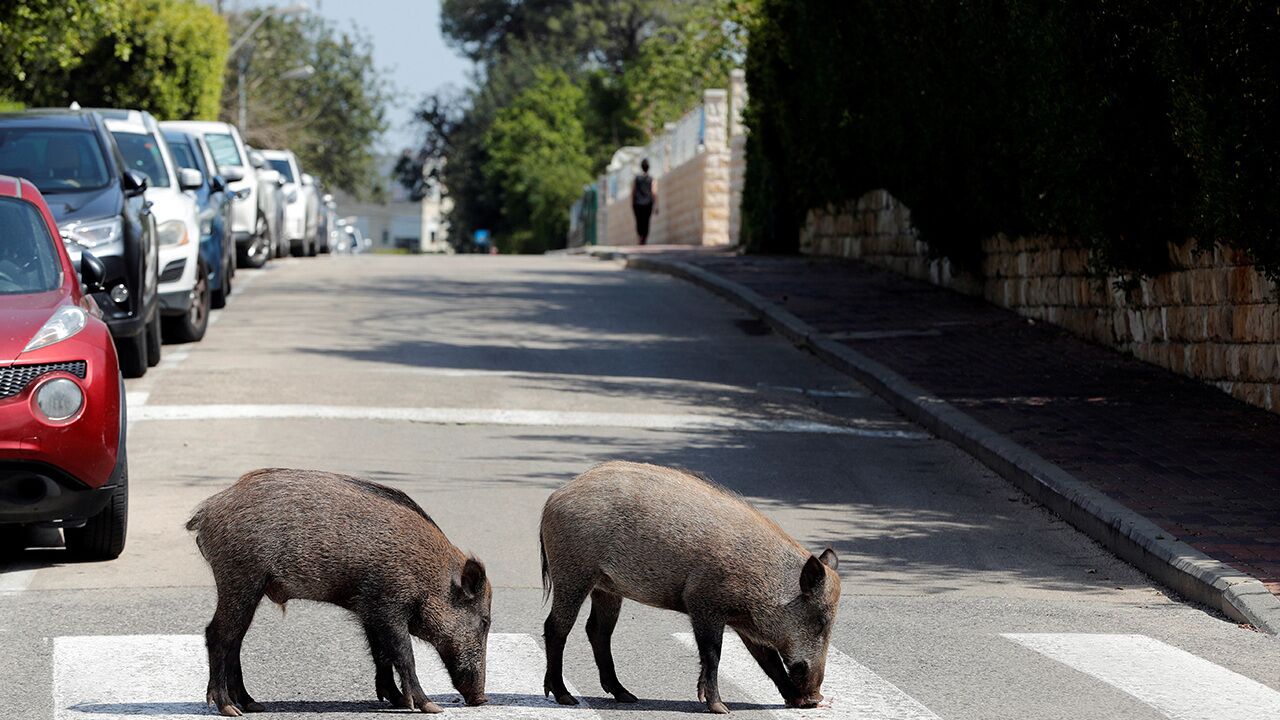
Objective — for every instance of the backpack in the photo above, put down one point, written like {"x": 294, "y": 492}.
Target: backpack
{"x": 642, "y": 194}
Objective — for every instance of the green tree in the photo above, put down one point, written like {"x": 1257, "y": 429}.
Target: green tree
{"x": 41, "y": 40}
{"x": 332, "y": 118}
{"x": 168, "y": 60}
{"x": 537, "y": 154}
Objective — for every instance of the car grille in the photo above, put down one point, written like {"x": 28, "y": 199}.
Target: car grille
{"x": 15, "y": 378}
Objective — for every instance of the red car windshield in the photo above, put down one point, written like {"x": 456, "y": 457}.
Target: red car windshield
{"x": 29, "y": 261}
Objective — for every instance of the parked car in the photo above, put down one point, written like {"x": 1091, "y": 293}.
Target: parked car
{"x": 213, "y": 209}
{"x": 62, "y": 411}
{"x": 248, "y": 224}
{"x": 328, "y": 231}
{"x": 295, "y": 201}
{"x": 98, "y": 204}
{"x": 185, "y": 295}
{"x": 271, "y": 202}
{"x": 311, "y": 193}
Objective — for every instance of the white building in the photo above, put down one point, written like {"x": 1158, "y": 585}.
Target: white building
{"x": 400, "y": 223}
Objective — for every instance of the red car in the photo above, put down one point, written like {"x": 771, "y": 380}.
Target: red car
{"x": 62, "y": 411}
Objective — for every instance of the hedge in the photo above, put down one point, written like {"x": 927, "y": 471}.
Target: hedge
{"x": 1123, "y": 123}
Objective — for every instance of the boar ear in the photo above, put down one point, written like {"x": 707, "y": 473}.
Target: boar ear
{"x": 828, "y": 558}
{"x": 813, "y": 575}
{"x": 470, "y": 579}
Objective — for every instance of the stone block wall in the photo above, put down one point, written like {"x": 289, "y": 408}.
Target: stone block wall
{"x": 693, "y": 196}
{"x": 1214, "y": 317}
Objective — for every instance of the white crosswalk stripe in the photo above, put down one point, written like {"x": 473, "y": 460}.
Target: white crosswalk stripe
{"x": 1169, "y": 679}
{"x": 513, "y": 681}
{"x": 105, "y": 677}
{"x": 852, "y": 689}
{"x": 164, "y": 677}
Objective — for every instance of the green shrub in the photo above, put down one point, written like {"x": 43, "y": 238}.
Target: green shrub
{"x": 1125, "y": 123}
{"x": 168, "y": 60}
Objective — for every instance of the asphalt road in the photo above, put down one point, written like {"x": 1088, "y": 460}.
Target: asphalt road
{"x": 478, "y": 385}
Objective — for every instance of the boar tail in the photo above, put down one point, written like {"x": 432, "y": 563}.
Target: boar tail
{"x": 546, "y": 571}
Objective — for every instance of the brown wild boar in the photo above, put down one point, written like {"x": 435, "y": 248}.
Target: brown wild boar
{"x": 308, "y": 535}
{"x": 670, "y": 539}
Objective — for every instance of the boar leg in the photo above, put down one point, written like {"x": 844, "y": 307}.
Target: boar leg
{"x": 708, "y": 633}
{"x": 384, "y": 681}
{"x": 771, "y": 662}
{"x": 393, "y": 640}
{"x": 223, "y": 638}
{"x": 566, "y": 601}
{"x": 605, "y": 607}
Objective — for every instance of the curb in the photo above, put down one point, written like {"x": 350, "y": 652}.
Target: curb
{"x": 1135, "y": 539}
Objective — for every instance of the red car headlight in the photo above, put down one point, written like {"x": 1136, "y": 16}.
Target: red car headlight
{"x": 59, "y": 399}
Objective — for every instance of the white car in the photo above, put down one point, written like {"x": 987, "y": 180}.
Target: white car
{"x": 295, "y": 201}
{"x": 248, "y": 222}
{"x": 184, "y": 289}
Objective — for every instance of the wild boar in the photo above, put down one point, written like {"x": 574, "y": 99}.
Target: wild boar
{"x": 309, "y": 535}
{"x": 674, "y": 540}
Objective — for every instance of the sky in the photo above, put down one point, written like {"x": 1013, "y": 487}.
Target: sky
{"x": 407, "y": 45}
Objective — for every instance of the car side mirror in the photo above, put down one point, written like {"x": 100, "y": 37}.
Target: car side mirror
{"x": 133, "y": 183}
{"x": 281, "y": 181}
{"x": 307, "y": 180}
{"x": 257, "y": 160}
{"x": 231, "y": 173}
{"x": 93, "y": 274}
{"x": 190, "y": 179}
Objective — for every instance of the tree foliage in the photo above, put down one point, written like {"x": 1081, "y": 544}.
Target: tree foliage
{"x": 635, "y": 64}
{"x": 168, "y": 60}
{"x": 537, "y": 154}
{"x": 330, "y": 118}
{"x": 165, "y": 56}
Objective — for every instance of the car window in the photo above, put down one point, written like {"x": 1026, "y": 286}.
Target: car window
{"x": 29, "y": 262}
{"x": 55, "y": 160}
{"x": 182, "y": 155}
{"x": 224, "y": 149}
{"x": 282, "y": 167}
{"x": 141, "y": 153}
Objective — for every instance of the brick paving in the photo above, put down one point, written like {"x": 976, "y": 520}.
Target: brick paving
{"x": 1200, "y": 464}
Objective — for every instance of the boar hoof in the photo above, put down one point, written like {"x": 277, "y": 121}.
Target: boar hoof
{"x": 566, "y": 699}
{"x": 718, "y": 708}
{"x": 230, "y": 711}
{"x": 427, "y": 706}
{"x": 254, "y": 707}
{"x": 478, "y": 700}
{"x": 620, "y": 694}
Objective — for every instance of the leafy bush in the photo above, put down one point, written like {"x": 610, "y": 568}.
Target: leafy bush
{"x": 168, "y": 60}
{"x": 1125, "y": 123}
{"x": 538, "y": 155}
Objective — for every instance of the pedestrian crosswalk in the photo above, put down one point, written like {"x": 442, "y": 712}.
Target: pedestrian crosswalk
{"x": 164, "y": 676}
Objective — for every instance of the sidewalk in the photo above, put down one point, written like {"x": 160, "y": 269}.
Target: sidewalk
{"x": 1201, "y": 465}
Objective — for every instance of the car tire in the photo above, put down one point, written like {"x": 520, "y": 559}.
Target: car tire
{"x": 260, "y": 247}
{"x": 154, "y": 340}
{"x": 132, "y": 353}
{"x": 191, "y": 325}
{"x": 218, "y": 299}
{"x": 103, "y": 536}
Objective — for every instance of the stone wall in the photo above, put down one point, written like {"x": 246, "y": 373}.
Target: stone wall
{"x": 694, "y": 190}
{"x": 737, "y": 152}
{"x": 1214, "y": 318}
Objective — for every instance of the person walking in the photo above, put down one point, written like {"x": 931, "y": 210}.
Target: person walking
{"x": 644, "y": 200}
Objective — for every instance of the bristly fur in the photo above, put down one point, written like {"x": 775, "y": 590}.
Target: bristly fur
{"x": 392, "y": 494}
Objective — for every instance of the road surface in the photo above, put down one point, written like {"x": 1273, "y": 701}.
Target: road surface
{"x": 478, "y": 385}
